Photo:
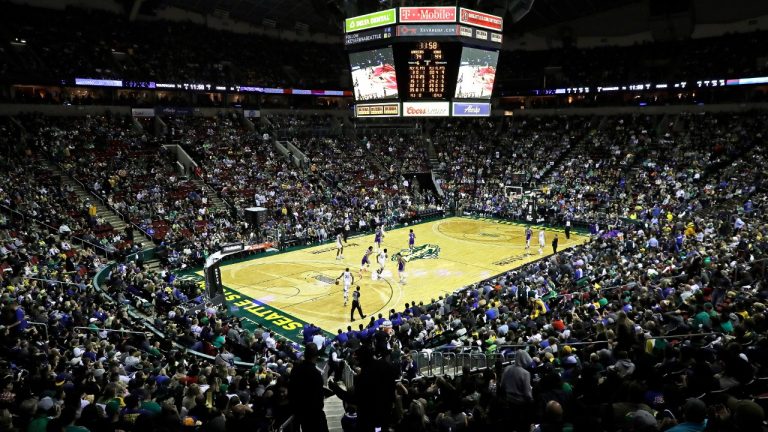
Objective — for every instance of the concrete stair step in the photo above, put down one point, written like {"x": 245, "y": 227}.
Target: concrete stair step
{"x": 102, "y": 211}
{"x": 214, "y": 202}
{"x": 334, "y": 411}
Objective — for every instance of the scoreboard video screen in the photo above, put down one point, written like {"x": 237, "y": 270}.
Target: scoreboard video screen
{"x": 477, "y": 73}
{"x": 373, "y": 74}
{"x": 423, "y": 61}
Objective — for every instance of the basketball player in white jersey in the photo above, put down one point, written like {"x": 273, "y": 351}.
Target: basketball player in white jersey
{"x": 542, "y": 241}
{"x": 382, "y": 260}
{"x": 339, "y": 247}
{"x": 348, "y": 279}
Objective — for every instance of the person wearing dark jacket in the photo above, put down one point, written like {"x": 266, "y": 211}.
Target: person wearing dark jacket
{"x": 515, "y": 388}
{"x": 305, "y": 392}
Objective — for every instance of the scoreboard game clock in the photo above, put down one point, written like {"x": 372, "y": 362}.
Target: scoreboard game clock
{"x": 426, "y": 71}
{"x": 423, "y": 61}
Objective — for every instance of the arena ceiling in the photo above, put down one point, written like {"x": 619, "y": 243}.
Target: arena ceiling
{"x": 326, "y": 15}
{"x": 314, "y": 15}
{"x": 549, "y": 12}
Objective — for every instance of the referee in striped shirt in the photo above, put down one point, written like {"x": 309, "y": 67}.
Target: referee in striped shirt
{"x": 356, "y": 305}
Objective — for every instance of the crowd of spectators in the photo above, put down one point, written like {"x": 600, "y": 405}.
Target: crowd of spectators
{"x": 125, "y": 168}
{"x": 344, "y": 184}
{"x": 480, "y": 172}
{"x": 590, "y": 330}
{"x": 32, "y": 189}
{"x": 603, "y": 168}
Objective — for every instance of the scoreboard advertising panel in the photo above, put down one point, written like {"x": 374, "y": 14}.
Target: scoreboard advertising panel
{"x": 437, "y": 14}
{"x": 378, "y": 110}
{"x": 471, "y": 109}
{"x": 365, "y": 22}
{"x": 480, "y": 19}
{"x": 426, "y": 109}
{"x": 423, "y": 61}
{"x": 421, "y": 30}
{"x": 374, "y": 35}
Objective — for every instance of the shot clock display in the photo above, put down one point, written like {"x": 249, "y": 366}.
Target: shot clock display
{"x": 426, "y": 71}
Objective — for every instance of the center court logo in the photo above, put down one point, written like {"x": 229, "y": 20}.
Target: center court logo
{"x": 425, "y": 251}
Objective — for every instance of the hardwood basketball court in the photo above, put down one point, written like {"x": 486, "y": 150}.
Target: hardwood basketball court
{"x": 286, "y": 290}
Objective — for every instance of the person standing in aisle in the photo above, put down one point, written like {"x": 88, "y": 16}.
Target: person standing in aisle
{"x": 305, "y": 392}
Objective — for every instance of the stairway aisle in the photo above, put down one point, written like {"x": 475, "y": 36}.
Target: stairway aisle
{"x": 334, "y": 411}
{"x": 102, "y": 211}
{"x": 214, "y": 202}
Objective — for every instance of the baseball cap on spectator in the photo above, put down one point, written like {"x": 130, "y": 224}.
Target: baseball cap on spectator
{"x": 695, "y": 411}
{"x": 748, "y": 415}
{"x": 151, "y": 407}
{"x": 61, "y": 379}
{"x": 112, "y": 407}
{"x": 642, "y": 420}
{"x": 45, "y": 404}
{"x": 558, "y": 325}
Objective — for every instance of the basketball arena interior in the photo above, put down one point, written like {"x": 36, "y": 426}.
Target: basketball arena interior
{"x": 383, "y": 216}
